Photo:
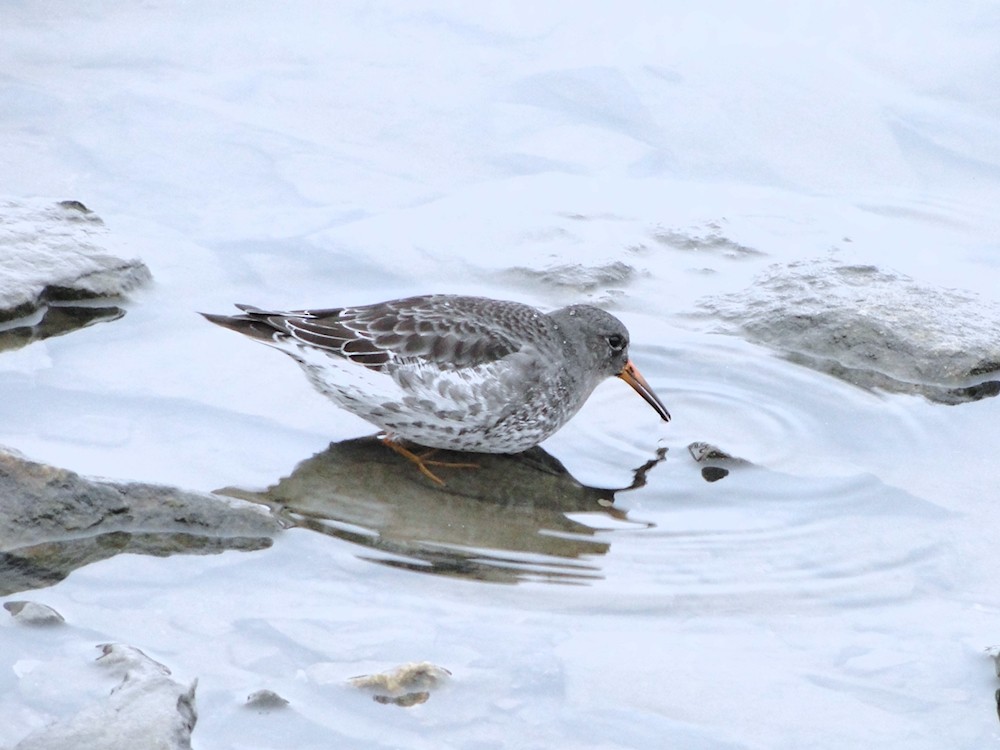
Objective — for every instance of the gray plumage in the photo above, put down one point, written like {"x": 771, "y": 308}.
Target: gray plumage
{"x": 453, "y": 372}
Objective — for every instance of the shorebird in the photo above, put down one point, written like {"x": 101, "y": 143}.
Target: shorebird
{"x": 453, "y": 372}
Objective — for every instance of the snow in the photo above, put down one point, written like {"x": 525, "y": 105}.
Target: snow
{"x": 840, "y": 594}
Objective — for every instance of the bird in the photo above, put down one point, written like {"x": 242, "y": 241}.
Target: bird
{"x": 452, "y": 372}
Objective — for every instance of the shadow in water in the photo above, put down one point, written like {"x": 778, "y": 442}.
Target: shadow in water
{"x": 503, "y": 522}
{"x": 55, "y": 320}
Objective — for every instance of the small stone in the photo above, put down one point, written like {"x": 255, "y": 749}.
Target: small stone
{"x": 405, "y": 701}
{"x": 994, "y": 653}
{"x": 712, "y": 455}
{"x": 406, "y": 685}
{"x": 265, "y": 700}
{"x": 707, "y": 239}
{"x": 702, "y": 452}
{"x": 77, "y": 207}
{"x": 706, "y": 451}
{"x": 33, "y": 613}
{"x": 714, "y": 473}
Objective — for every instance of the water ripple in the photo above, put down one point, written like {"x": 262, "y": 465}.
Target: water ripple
{"x": 754, "y": 405}
{"x": 807, "y": 520}
{"x": 762, "y": 541}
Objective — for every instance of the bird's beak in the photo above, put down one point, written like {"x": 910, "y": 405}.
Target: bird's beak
{"x": 635, "y": 379}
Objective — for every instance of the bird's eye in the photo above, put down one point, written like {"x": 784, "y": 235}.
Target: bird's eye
{"x": 616, "y": 342}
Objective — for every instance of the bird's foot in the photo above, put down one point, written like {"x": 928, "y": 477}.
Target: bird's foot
{"x": 422, "y": 462}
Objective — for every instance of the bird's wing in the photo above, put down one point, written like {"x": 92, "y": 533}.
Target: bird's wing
{"x": 451, "y": 332}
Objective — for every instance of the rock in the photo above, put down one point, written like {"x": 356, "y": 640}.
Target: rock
{"x": 702, "y": 452}
{"x": 148, "y": 709}
{"x": 871, "y": 327}
{"x": 55, "y": 321}
{"x": 54, "y": 252}
{"x": 53, "y": 521}
{"x": 33, "y": 613}
{"x": 576, "y": 277}
{"x": 406, "y": 685}
{"x": 705, "y": 240}
{"x": 420, "y": 675}
{"x": 404, "y": 701}
{"x": 714, "y": 461}
{"x": 265, "y": 700}
{"x": 994, "y": 654}
{"x": 714, "y": 473}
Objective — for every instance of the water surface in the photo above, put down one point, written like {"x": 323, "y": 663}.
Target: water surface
{"x": 835, "y": 589}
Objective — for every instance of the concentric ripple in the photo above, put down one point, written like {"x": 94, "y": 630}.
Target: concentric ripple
{"x": 749, "y": 402}
{"x": 805, "y": 519}
{"x": 761, "y": 541}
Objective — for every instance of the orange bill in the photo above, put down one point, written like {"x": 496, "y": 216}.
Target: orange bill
{"x": 635, "y": 379}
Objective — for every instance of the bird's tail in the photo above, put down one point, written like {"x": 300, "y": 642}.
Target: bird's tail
{"x": 253, "y": 323}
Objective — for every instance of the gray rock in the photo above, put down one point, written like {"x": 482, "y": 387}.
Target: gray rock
{"x": 33, "y": 613}
{"x": 265, "y": 700}
{"x": 600, "y": 284}
{"x": 56, "y": 320}
{"x": 708, "y": 239}
{"x": 148, "y": 709}
{"x": 55, "y": 252}
{"x": 706, "y": 452}
{"x": 715, "y": 462}
{"x": 53, "y": 521}
{"x": 871, "y": 327}
{"x": 994, "y": 654}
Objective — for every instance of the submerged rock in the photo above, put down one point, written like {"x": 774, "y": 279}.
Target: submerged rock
{"x": 871, "y": 327}
{"x": 265, "y": 700}
{"x": 33, "y": 613}
{"x": 406, "y": 685}
{"x": 53, "y": 521}
{"x": 715, "y": 461}
{"x": 55, "y": 321}
{"x": 54, "y": 253}
{"x": 148, "y": 709}
{"x": 576, "y": 276}
{"x": 708, "y": 239}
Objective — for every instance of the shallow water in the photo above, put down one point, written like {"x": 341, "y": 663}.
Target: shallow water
{"x": 835, "y": 590}
{"x": 819, "y": 578}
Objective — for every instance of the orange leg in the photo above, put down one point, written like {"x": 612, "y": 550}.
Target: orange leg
{"x": 422, "y": 463}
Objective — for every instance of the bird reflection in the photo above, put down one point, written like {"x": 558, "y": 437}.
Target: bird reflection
{"x": 504, "y": 522}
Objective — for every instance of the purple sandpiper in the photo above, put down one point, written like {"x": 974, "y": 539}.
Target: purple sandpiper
{"x": 453, "y": 372}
